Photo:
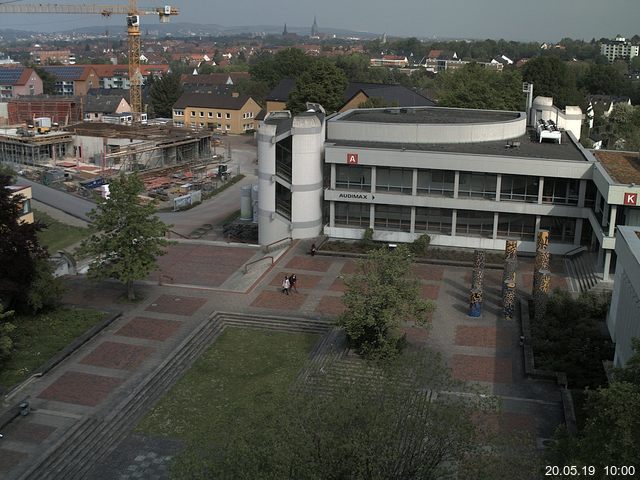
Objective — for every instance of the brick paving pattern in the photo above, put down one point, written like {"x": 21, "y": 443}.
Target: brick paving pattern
{"x": 430, "y": 292}
{"x": 428, "y": 272}
{"x": 305, "y": 281}
{"x": 28, "y": 432}
{"x": 489, "y": 337}
{"x": 277, "y": 300}
{"x": 477, "y": 368}
{"x": 349, "y": 268}
{"x": 120, "y": 356}
{"x": 80, "y": 388}
{"x": 330, "y": 306}
{"x": 206, "y": 265}
{"x": 176, "y": 305}
{"x": 314, "y": 264}
{"x": 491, "y": 277}
{"x": 338, "y": 285}
{"x": 149, "y": 328}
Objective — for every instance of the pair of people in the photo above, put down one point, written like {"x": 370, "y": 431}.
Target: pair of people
{"x": 289, "y": 283}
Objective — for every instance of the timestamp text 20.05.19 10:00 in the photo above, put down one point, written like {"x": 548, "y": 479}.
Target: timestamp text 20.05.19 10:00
{"x": 589, "y": 471}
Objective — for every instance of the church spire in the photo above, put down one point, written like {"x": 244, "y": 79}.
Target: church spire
{"x": 314, "y": 28}
{"x": 284, "y": 32}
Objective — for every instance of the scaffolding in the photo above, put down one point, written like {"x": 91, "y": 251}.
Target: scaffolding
{"x": 34, "y": 151}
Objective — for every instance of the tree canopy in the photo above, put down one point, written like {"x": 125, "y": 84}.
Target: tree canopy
{"x": 322, "y": 83}
{"x": 126, "y": 238}
{"x": 164, "y": 93}
{"x": 552, "y": 78}
{"x": 379, "y": 298}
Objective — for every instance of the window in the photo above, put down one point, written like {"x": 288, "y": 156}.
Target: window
{"x": 26, "y": 207}
{"x": 477, "y": 185}
{"x": 227, "y": 116}
{"x": 202, "y": 114}
{"x": 433, "y": 220}
{"x": 561, "y": 229}
{"x": 352, "y": 214}
{"x": 560, "y": 191}
{"x": 210, "y": 114}
{"x": 436, "y": 182}
{"x": 353, "y": 178}
{"x": 178, "y": 113}
{"x": 219, "y": 115}
{"x": 519, "y": 188}
{"x": 228, "y": 127}
{"x": 473, "y": 223}
{"x": 515, "y": 225}
{"x": 393, "y": 217}
{"x": 193, "y": 113}
{"x": 394, "y": 179}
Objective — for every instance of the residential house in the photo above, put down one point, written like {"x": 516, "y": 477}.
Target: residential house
{"x": 24, "y": 191}
{"x": 391, "y": 95}
{"x": 393, "y": 61}
{"x": 97, "y": 106}
{"x": 47, "y": 57}
{"x": 279, "y": 96}
{"x": 117, "y": 76}
{"x": 209, "y": 79}
{"x": 73, "y": 79}
{"x": 603, "y": 104}
{"x": 227, "y": 114}
{"x": 19, "y": 81}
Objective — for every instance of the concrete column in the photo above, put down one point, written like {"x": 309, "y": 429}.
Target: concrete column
{"x": 600, "y": 256}
{"x": 578, "y": 236}
{"x": 582, "y": 193}
{"x": 605, "y": 215}
{"x": 333, "y": 176}
{"x": 498, "y": 186}
{"x": 373, "y": 179}
{"x": 612, "y": 220}
{"x": 414, "y": 182}
{"x": 540, "y": 190}
{"x": 372, "y": 215}
{"x": 456, "y": 184}
{"x": 495, "y": 225}
{"x": 607, "y": 265}
{"x": 332, "y": 213}
{"x": 454, "y": 221}
{"x": 412, "y": 229}
{"x": 537, "y": 225}
{"x": 598, "y": 198}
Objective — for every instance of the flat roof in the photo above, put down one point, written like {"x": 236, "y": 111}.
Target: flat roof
{"x": 161, "y": 133}
{"x": 429, "y": 115}
{"x": 622, "y": 167}
{"x": 529, "y": 147}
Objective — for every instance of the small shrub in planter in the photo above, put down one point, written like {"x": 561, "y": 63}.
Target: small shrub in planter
{"x": 420, "y": 245}
{"x": 367, "y": 242}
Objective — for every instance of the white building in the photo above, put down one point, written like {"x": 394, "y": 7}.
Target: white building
{"x": 624, "y": 315}
{"x": 619, "y": 48}
{"x": 468, "y": 178}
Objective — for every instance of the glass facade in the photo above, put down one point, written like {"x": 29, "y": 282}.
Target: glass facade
{"x": 516, "y": 226}
{"x": 436, "y": 182}
{"x": 519, "y": 188}
{"x": 433, "y": 220}
{"x": 353, "y": 178}
{"x": 561, "y": 229}
{"x": 560, "y": 191}
{"x": 392, "y": 217}
{"x": 394, "y": 180}
{"x": 472, "y": 223}
{"x": 477, "y": 185}
{"x": 352, "y": 214}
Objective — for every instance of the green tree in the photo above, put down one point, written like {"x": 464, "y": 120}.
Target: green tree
{"x": 6, "y": 328}
{"x": 379, "y": 298}
{"x": 164, "y": 93}
{"x": 19, "y": 248}
{"x": 290, "y": 62}
{"x": 322, "y": 83}
{"x": 378, "y": 423}
{"x": 126, "y": 238}
{"x": 48, "y": 81}
{"x": 552, "y": 78}
{"x": 476, "y": 87}
{"x": 256, "y": 89}
{"x": 604, "y": 80}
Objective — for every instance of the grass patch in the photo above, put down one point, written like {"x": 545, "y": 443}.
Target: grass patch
{"x": 58, "y": 235}
{"x": 243, "y": 375}
{"x": 37, "y": 338}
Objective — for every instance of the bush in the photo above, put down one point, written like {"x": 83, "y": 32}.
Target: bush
{"x": 367, "y": 239}
{"x": 420, "y": 245}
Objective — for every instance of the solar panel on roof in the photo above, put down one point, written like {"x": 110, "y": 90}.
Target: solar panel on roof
{"x": 9, "y": 76}
{"x": 65, "y": 73}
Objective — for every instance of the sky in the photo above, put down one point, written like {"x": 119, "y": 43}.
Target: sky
{"x": 522, "y": 20}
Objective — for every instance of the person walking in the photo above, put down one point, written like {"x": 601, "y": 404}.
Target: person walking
{"x": 286, "y": 285}
{"x": 292, "y": 283}
{"x": 313, "y": 249}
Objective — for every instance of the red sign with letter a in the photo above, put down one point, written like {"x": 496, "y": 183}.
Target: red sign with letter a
{"x": 352, "y": 158}
{"x": 630, "y": 198}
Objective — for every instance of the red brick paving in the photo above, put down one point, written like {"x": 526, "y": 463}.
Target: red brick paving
{"x": 304, "y": 281}
{"x": 176, "y": 305}
{"x": 117, "y": 355}
{"x": 490, "y": 337}
{"x": 80, "y": 388}
{"x": 309, "y": 263}
{"x": 205, "y": 265}
{"x": 482, "y": 369}
{"x": 330, "y": 306}
{"x": 506, "y": 422}
{"x": 338, "y": 285}
{"x": 149, "y": 328}
{"x": 430, "y": 292}
{"x": 427, "y": 271}
{"x": 278, "y": 300}
{"x": 10, "y": 458}
{"x": 416, "y": 335}
{"x": 349, "y": 268}
{"x": 28, "y": 432}
{"x": 557, "y": 281}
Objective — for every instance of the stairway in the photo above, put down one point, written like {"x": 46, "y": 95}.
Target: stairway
{"x": 580, "y": 267}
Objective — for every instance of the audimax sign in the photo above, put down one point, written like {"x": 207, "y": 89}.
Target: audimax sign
{"x": 356, "y": 196}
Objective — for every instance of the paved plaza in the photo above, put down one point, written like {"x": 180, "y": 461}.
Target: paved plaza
{"x": 97, "y": 377}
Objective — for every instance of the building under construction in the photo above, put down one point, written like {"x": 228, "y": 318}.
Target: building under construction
{"x": 105, "y": 148}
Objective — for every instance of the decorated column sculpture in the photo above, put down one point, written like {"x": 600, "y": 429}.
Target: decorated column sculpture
{"x": 475, "y": 303}
{"x": 541, "y": 295}
{"x": 477, "y": 280}
{"x": 542, "y": 256}
{"x": 509, "y": 299}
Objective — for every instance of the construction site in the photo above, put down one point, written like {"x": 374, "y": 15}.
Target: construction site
{"x": 83, "y": 156}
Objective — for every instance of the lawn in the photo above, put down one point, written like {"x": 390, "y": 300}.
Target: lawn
{"x": 58, "y": 235}
{"x": 241, "y": 376}
{"x": 38, "y": 338}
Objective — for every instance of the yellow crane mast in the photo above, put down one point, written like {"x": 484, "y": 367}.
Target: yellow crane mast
{"x": 133, "y": 13}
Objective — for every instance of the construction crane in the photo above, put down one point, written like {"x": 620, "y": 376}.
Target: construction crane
{"x": 133, "y": 13}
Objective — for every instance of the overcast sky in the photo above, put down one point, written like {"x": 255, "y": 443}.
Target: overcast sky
{"x": 539, "y": 20}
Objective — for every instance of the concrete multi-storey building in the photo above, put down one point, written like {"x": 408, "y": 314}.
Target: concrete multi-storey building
{"x": 619, "y": 48}
{"x": 227, "y": 114}
{"x": 468, "y": 178}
